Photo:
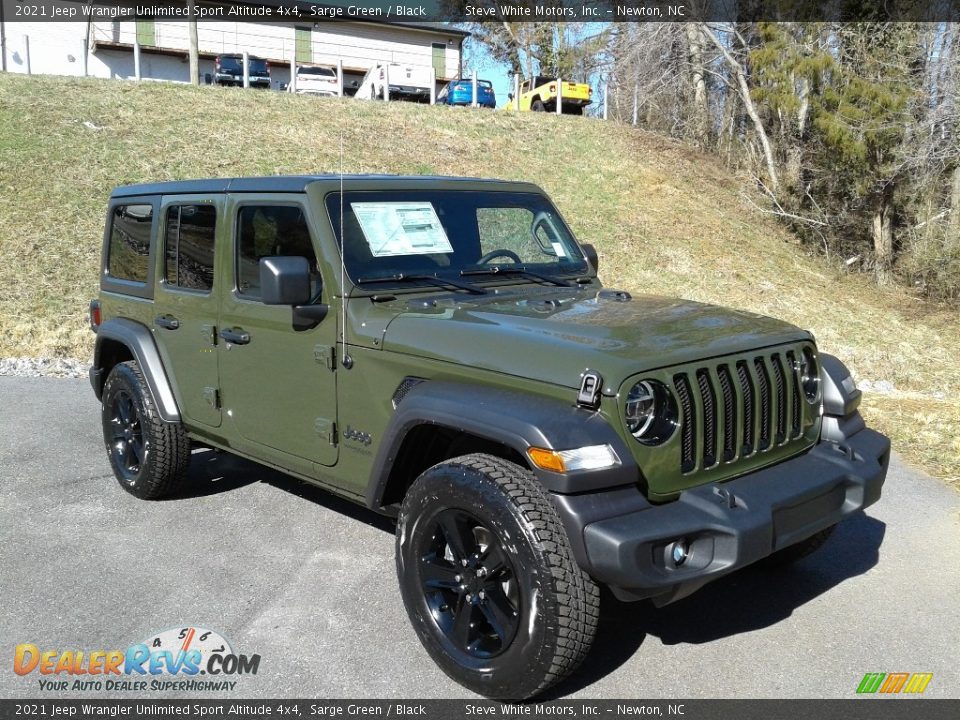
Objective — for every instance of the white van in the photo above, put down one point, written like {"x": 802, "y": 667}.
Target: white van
{"x": 407, "y": 82}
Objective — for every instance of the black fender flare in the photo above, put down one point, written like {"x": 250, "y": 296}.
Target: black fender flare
{"x": 515, "y": 419}
{"x": 138, "y": 339}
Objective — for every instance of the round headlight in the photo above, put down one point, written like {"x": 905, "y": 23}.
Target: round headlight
{"x": 650, "y": 412}
{"x": 810, "y": 375}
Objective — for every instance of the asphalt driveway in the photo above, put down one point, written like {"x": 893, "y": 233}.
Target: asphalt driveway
{"x": 307, "y": 581}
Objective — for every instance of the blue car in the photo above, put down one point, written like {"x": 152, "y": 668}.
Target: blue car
{"x": 460, "y": 92}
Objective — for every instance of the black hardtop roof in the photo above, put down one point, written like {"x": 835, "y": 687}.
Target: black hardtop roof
{"x": 298, "y": 183}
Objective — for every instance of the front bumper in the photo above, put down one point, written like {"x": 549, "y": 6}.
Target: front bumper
{"x": 624, "y": 541}
{"x": 229, "y": 79}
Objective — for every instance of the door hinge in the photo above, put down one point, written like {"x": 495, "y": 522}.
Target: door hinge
{"x": 326, "y": 429}
{"x": 212, "y": 396}
{"x": 327, "y": 355}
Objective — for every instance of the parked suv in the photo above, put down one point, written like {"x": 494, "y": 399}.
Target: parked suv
{"x": 442, "y": 351}
{"x": 229, "y": 71}
{"x": 316, "y": 80}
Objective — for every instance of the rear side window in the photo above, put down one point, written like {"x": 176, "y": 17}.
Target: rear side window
{"x": 265, "y": 231}
{"x": 189, "y": 246}
{"x": 129, "y": 252}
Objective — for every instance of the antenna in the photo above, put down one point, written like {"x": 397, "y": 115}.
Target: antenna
{"x": 347, "y": 361}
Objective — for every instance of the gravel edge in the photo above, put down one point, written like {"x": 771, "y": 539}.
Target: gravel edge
{"x": 44, "y": 367}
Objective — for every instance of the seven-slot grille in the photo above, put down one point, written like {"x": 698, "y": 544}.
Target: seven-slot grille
{"x": 737, "y": 408}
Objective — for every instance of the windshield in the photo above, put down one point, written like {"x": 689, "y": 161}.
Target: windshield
{"x": 443, "y": 233}
{"x": 326, "y": 72}
{"x": 235, "y": 64}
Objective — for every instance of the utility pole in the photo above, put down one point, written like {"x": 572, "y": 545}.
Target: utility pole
{"x": 194, "y": 43}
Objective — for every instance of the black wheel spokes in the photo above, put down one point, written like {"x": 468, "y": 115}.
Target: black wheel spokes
{"x": 458, "y": 533}
{"x": 498, "y": 612}
{"x": 126, "y": 435}
{"x": 437, "y": 574}
{"x": 461, "y": 632}
{"x": 469, "y": 585}
{"x": 495, "y": 563}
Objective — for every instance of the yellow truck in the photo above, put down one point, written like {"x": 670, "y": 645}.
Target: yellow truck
{"x": 539, "y": 94}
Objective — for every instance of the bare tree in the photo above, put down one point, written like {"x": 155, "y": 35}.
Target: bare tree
{"x": 743, "y": 90}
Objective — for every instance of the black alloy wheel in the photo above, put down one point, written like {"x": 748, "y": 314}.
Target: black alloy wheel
{"x": 126, "y": 436}
{"x": 469, "y": 584}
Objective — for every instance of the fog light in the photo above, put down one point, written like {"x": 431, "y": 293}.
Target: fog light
{"x": 679, "y": 552}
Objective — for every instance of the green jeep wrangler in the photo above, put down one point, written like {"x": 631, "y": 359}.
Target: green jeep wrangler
{"x": 441, "y": 350}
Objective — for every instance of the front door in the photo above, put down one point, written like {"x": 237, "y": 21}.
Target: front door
{"x": 186, "y": 302}
{"x": 278, "y": 381}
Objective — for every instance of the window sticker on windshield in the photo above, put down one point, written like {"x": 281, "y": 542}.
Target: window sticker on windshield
{"x": 401, "y": 228}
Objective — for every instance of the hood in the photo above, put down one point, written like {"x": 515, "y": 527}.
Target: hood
{"x": 552, "y": 335}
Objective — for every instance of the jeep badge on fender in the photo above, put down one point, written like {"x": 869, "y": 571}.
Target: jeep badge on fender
{"x": 534, "y": 434}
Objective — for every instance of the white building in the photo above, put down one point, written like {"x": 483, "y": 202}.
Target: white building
{"x": 105, "y": 48}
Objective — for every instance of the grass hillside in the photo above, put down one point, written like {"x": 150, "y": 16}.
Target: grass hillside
{"x": 666, "y": 219}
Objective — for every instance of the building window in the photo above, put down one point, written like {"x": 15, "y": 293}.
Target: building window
{"x": 440, "y": 60}
{"x": 130, "y": 242}
{"x": 189, "y": 247}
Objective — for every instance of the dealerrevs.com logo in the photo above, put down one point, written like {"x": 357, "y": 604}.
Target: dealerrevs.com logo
{"x": 186, "y": 658}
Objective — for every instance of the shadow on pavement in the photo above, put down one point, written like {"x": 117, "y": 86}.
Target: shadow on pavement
{"x": 751, "y": 599}
{"x": 213, "y": 472}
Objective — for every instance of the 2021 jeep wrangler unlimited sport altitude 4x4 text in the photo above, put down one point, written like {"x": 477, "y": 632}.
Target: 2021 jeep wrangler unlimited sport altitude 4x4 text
{"x": 441, "y": 350}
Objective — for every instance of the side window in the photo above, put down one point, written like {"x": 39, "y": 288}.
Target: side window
{"x": 127, "y": 257}
{"x": 189, "y": 246}
{"x": 267, "y": 230}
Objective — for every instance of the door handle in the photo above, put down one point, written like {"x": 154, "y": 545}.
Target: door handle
{"x": 237, "y": 337}
{"x": 167, "y": 321}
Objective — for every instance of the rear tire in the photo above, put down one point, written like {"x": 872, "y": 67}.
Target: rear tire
{"x": 538, "y": 106}
{"x": 800, "y": 550}
{"x": 489, "y": 581}
{"x": 149, "y": 457}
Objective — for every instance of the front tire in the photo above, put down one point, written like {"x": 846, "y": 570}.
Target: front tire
{"x": 149, "y": 457}
{"x": 489, "y": 580}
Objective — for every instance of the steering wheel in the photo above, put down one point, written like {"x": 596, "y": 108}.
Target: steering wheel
{"x": 499, "y": 253}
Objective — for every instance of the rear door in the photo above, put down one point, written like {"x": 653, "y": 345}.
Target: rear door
{"x": 279, "y": 384}
{"x": 186, "y": 304}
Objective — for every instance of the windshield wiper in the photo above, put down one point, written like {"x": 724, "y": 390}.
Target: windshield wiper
{"x": 432, "y": 279}
{"x": 516, "y": 270}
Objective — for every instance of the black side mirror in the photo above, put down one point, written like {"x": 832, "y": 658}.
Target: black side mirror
{"x": 590, "y": 252}
{"x": 284, "y": 280}
{"x": 509, "y": 96}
